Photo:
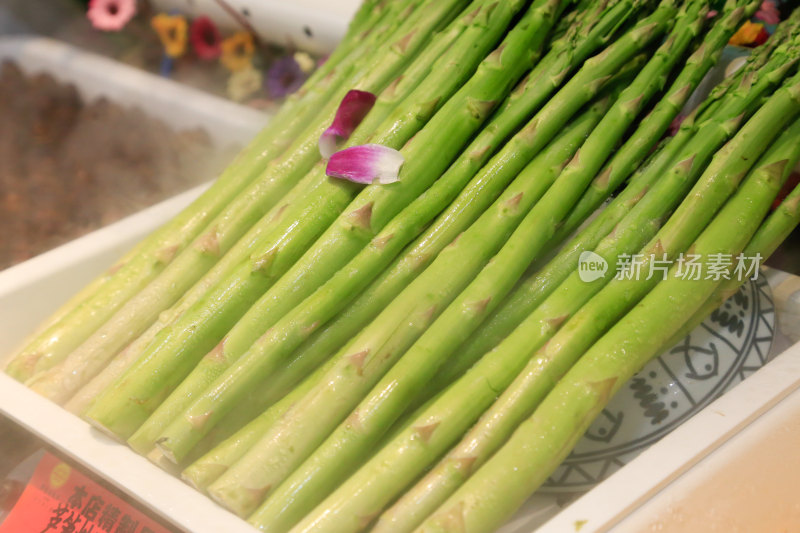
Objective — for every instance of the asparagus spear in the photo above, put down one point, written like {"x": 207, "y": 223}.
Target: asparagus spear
{"x": 241, "y": 377}
{"x": 334, "y": 459}
{"x": 148, "y": 259}
{"x": 498, "y": 369}
{"x": 712, "y": 134}
{"x": 493, "y": 232}
{"x": 779, "y": 42}
{"x": 540, "y": 443}
{"x": 775, "y": 229}
{"x": 691, "y": 144}
{"x": 62, "y": 382}
{"x": 368, "y": 15}
{"x": 551, "y": 361}
{"x": 447, "y": 186}
{"x": 208, "y": 468}
{"x": 484, "y": 78}
{"x": 225, "y": 455}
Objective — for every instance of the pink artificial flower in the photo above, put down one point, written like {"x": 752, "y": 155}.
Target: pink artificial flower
{"x": 352, "y": 110}
{"x": 205, "y": 38}
{"x": 110, "y": 15}
{"x": 768, "y": 13}
{"x": 369, "y": 163}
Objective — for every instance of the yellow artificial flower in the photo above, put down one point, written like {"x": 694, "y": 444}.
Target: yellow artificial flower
{"x": 748, "y": 34}
{"x": 173, "y": 31}
{"x": 305, "y": 62}
{"x": 238, "y": 51}
{"x": 244, "y": 83}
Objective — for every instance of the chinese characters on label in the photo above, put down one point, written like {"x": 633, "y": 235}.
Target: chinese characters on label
{"x": 60, "y": 499}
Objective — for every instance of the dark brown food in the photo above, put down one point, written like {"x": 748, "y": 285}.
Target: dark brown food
{"x": 68, "y": 167}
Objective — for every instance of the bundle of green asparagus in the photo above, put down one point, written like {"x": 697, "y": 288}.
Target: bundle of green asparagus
{"x": 375, "y": 318}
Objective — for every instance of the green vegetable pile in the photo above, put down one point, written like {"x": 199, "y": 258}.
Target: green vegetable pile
{"x": 322, "y": 355}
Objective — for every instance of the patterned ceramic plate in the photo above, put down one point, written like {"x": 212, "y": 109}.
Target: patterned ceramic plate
{"x": 729, "y": 346}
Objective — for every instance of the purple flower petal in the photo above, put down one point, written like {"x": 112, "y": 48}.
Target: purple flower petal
{"x": 369, "y": 163}
{"x": 354, "y": 107}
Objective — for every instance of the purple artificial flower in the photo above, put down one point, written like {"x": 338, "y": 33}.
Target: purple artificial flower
{"x": 284, "y": 77}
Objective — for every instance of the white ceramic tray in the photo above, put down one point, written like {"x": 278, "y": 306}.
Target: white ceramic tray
{"x": 32, "y": 290}
{"x": 94, "y": 76}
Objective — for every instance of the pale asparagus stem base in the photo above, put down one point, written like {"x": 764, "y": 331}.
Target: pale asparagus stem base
{"x": 80, "y": 319}
{"x": 321, "y": 83}
{"x": 208, "y": 468}
{"x": 526, "y": 460}
{"x": 447, "y": 74}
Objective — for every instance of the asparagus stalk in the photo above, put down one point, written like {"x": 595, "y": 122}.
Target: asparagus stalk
{"x": 147, "y": 260}
{"x": 337, "y": 456}
{"x": 590, "y": 32}
{"x": 208, "y": 468}
{"x": 334, "y": 247}
{"x": 784, "y": 38}
{"x": 241, "y": 377}
{"x": 775, "y": 229}
{"x": 369, "y": 15}
{"x": 63, "y": 381}
{"x": 596, "y": 28}
{"x": 693, "y": 144}
{"x": 541, "y": 442}
{"x": 224, "y": 455}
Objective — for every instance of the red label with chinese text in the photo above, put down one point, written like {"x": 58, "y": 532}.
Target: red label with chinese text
{"x": 60, "y": 499}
